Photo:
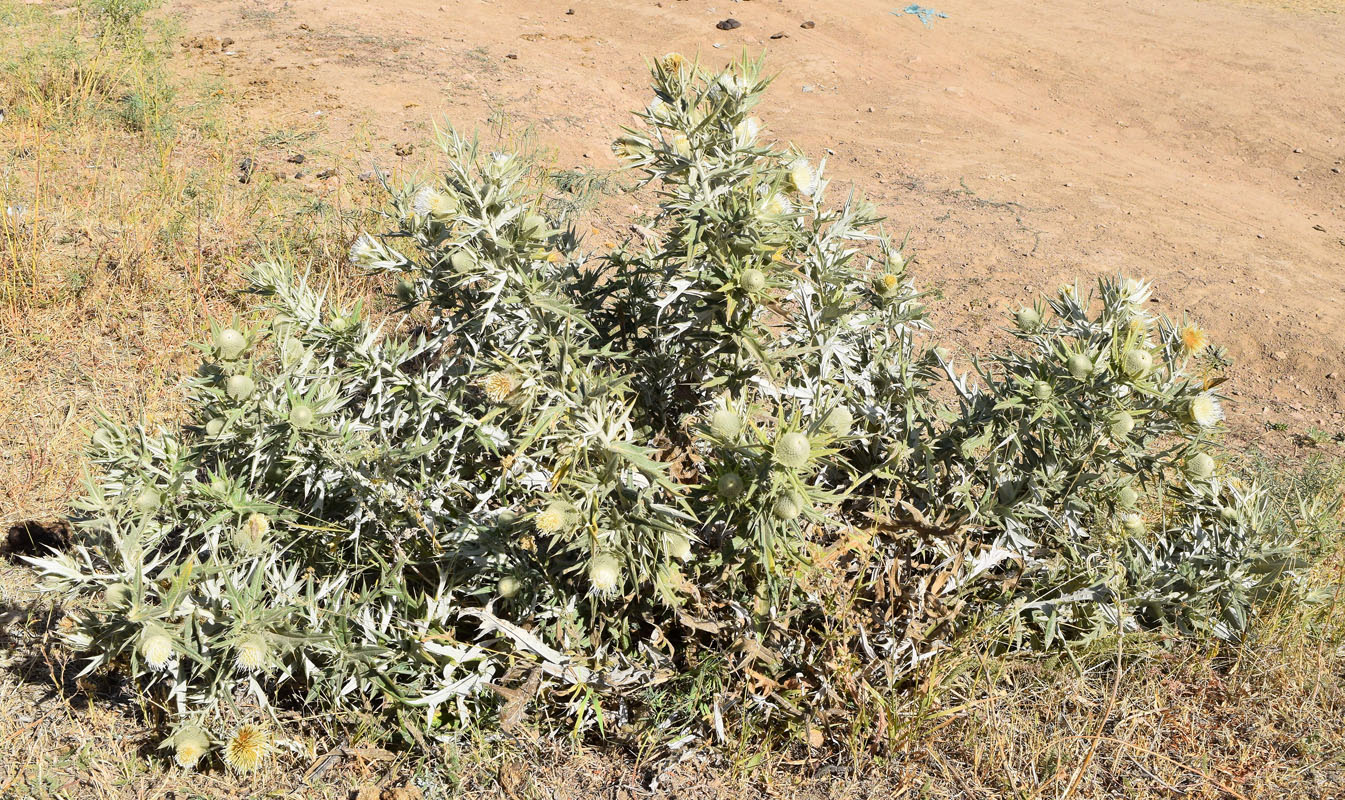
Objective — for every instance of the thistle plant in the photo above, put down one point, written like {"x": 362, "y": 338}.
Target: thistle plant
{"x": 732, "y": 442}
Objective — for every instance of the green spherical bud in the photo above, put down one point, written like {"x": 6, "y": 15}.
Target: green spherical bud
{"x": 1199, "y": 466}
{"x": 793, "y": 450}
{"x": 679, "y": 546}
{"x": 1042, "y": 390}
{"x": 730, "y": 485}
{"x": 725, "y": 423}
{"x": 534, "y": 225}
{"x": 117, "y": 595}
{"x": 292, "y": 352}
{"x": 1121, "y": 424}
{"x": 301, "y": 416}
{"x": 406, "y": 291}
{"x": 462, "y": 261}
{"x": 1127, "y": 497}
{"x": 1133, "y": 525}
{"x": 1228, "y": 514}
{"x": 1028, "y": 320}
{"x": 787, "y": 506}
{"x": 214, "y": 426}
{"x": 752, "y": 280}
{"x": 507, "y": 587}
{"x": 148, "y": 501}
{"x": 230, "y": 343}
{"x": 239, "y": 387}
{"x": 838, "y": 422}
{"x": 103, "y": 439}
{"x": 1137, "y": 362}
{"x": 1080, "y": 366}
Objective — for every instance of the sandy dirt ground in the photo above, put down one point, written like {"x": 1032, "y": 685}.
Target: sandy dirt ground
{"x": 1022, "y": 144}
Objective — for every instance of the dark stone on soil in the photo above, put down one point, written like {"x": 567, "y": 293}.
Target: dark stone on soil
{"x": 809, "y": 25}
{"x": 728, "y": 24}
{"x": 297, "y": 158}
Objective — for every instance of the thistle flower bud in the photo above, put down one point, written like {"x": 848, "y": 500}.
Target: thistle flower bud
{"x": 793, "y": 450}
{"x": 725, "y": 423}
{"x": 679, "y": 546}
{"x": 1042, "y": 390}
{"x": 239, "y": 387}
{"x": 462, "y": 261}
{"x": 730, "y": 485}
{"x": 148, "y": 501}
{"x": 787, "y": 506}
{"x": 507, "y": 587}
{"x": 229, "y": 343}
{"x": 752, "y": 280}
{"x": 406, "y": 291}
{"x": 838, "y": 422}
{"x": 1133, "y": 525}
{"x": 1199, "y": 466}
{"x": 1028, "y": 320}
{"x": 1127, "y": 497}
{"x": 1137, "y": 362}
{"x": 301, "y": 416}
{"x": 1080, "y": 366}
{"x": 1120, "y": 425}
{"x": 250, "y": 537}
{"x": 214, "y": 426}
{"x": 117, "y": 595}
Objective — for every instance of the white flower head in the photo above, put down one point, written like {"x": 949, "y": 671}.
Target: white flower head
{"x": 1135, "y": 292}
{"x": 803, "y": 178}
{"x": 157, "y": 649}
{"x": 745, "y": 132}
{"x": 430, "y": 202}
{"x": 1204, "y": 410}
{"x": 365, "y": 252}
{"x": 777, "y": 205}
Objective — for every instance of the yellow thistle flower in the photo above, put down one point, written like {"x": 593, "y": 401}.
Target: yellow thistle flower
{"x": 498, "y": 386}
{"x": 247, "y": 747}
{"x": 887, "y": 284}
{"x": 674, "y": 62}
{"x": 554, "y": 257}
{"x": 1193, "y": 339}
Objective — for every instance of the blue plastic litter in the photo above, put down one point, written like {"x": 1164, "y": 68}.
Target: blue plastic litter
{"x": 926, "y": 15}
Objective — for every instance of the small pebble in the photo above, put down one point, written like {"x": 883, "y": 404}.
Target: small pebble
{"x": 728, "y": 24}
{"x": 808, "y": 25}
